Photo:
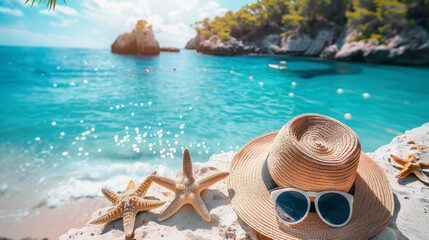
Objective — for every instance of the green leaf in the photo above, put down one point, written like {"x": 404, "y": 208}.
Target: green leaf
{"x": 50, "y": 4}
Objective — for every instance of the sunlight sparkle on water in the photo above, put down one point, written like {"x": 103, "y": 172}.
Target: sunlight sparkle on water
{"x": 348, "y": 116}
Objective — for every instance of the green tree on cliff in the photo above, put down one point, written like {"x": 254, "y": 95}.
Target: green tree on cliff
{"x": 371, "y": 17}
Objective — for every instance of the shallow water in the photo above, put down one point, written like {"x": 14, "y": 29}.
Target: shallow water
{"x": 75, "y": 120}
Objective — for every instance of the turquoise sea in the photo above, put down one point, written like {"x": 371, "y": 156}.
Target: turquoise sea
{"x": 75, "y": 120}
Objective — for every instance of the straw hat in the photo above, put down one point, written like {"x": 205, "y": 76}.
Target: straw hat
{"x": 311, "y": 152}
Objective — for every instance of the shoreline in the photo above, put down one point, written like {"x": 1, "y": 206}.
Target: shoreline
{"x": 51, "y": 222}
{"x": 314, "y": 58}
{"x": 71, "y": 219}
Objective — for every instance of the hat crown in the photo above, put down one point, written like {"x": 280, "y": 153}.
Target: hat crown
{"x": 313, "y": 152}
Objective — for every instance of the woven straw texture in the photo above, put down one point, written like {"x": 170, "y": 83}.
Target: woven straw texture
{"x": 313, "y": 153}
{"x": 373, "y": 199}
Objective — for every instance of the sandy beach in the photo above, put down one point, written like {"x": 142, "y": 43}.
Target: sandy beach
{"x": 98, "y": 95}
{"x": 69, "y": 221}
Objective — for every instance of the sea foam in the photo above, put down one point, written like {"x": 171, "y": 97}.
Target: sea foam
{"x": 88, "y": 181}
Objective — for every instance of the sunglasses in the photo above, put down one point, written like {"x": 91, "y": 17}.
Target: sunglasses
{"x": 293, "y": 205}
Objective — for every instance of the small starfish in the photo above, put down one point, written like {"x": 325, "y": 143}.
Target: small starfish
{"x": 412, "y": 166}
{"x": 187, "y": 189}
{"x": 127, "y": 205}
{"x": 419, "y": 147}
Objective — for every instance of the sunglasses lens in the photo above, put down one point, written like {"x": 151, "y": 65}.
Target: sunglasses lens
{"x": 334, "y": 208}
{"x": 291, "y": 206}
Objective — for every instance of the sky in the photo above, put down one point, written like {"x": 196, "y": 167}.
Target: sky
{"x": 97, "y": 23}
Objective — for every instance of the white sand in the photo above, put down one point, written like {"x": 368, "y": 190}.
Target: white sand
{"x": 185, "y": 224}
{"x": 411, "y": 217}
{"x": 411, "y": 195}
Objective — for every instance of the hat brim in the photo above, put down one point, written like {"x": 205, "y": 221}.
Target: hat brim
{"x": 372, "y": 207}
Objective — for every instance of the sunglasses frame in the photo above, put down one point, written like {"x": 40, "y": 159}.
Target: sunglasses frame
{"x": 275, "y": 194}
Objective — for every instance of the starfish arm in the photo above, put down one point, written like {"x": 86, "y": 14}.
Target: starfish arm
{"x": 201, "y": 208}
{"x": 424, "y": 165}
{"x": 174, "y": 206}
{"x": 212, "y": 179}
{"x": 131, "y": 186}
{"x": 146, "y": 205}
{"x": 111, "y": 215}
{"x": 144, "y": 186}
{"x": 110, "y": 195}
{"x": 129, "y": 220}
{"x": 420, "y": 175}
{"x": 398, "y": 160}
{"x": 419, "y": 147}
{"x": 187, "y": 164}
{"x": 166, "y": 182}
{"x": 405, "y": 171}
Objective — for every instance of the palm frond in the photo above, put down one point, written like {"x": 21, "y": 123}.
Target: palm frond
{"x": 49, "y": 3}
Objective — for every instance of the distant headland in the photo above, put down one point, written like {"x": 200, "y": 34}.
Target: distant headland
{"x": 140, "y": 41}
{"x": 392, "y": 32}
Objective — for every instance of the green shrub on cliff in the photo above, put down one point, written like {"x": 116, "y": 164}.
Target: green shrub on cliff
{"x": 380, "y": 17}
{"x": 141, "y": 23}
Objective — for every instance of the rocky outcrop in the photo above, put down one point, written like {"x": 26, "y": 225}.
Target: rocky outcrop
{"x": 351, "y": 51}
{"x": 269, "y": 42}
{"x": 195, "y": 42}
{"x": 215, "y": 46}
{"x": 294, "y": 44}
{"x": 125, "y": 44}
{"x": 140, "y": 41}
{"x": 329, "y": 52}
{"x": 323, "y": 39}
{"x": 410, "y": 47}
{"x": 169, "y": 49}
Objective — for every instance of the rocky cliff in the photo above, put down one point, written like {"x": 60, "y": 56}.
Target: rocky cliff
{"x": 140, "y": 41}
{"x": 409, "y": 47}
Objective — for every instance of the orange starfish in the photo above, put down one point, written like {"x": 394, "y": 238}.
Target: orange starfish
{"x": 187, "y": 189}
{"x": 127, "y": 205}
{"x": 412, "y": 166}
{"x": 419, "y": 147}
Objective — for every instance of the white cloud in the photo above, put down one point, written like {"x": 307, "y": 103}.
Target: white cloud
{"x": 211, "y": 5}
{"x": 220, "y": 11}
{"x": 21, "y": 37}
{"x": 177, "y": 34}
{"x": 211, "y": 10}
{"x": 66, "y": 10}
{"x": 118, "y": 17}
{"x": 173, "y": 34}
{"x": 60, "y": 10}
{"x": 174, "y": 15}
{"x": 115, "y": 14}
{"x": 65, "y": 22}
{"x": 14, "y": 12}
{"x": 204, "y": 14}
{"x": 188, "y": 5}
